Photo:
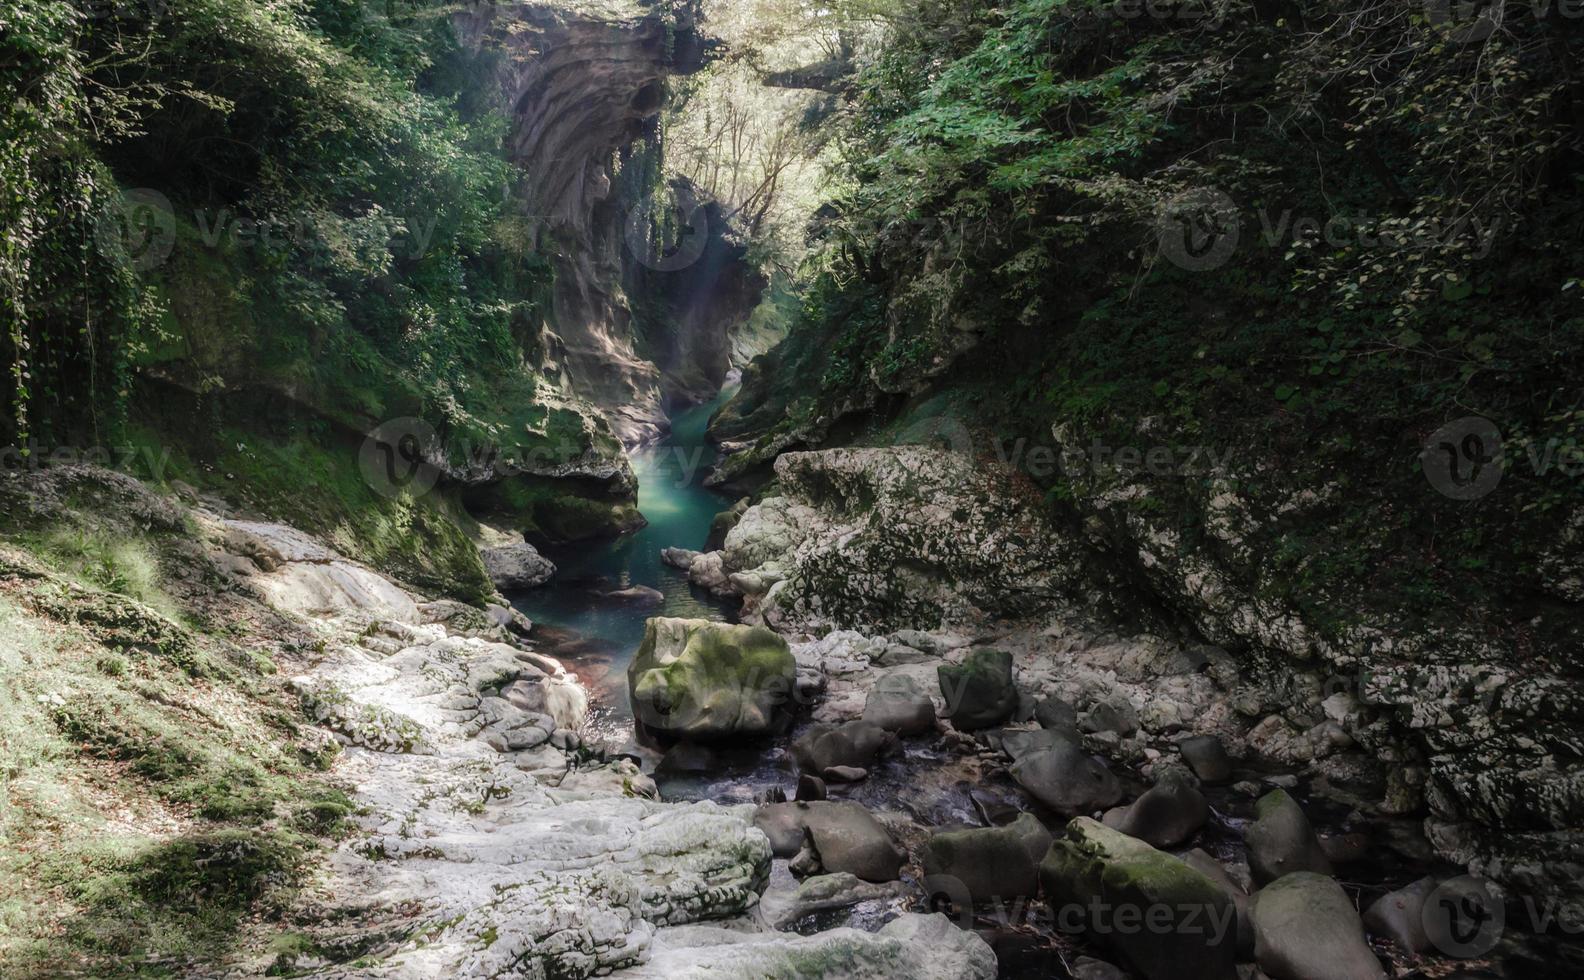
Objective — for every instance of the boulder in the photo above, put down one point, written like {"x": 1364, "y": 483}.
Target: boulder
{"x": 678, "y": 557}
{"x": 1399, "y": 916}
{"x": 783, "y": 825}
{"x": 810, "y": 787}
{"x": 701, "y": 680}
{"x": 1018, "y": 744}
{"x": 979, "y": 692}
{"x": 1065, "y": 778}
{"x": 1208, "y": 866}
{"x": 561, "y": 698}
{"x": 1112, "y": 713}
{"x": 1169, "y": 813}
{"x": 1305, "y": 928}
{"x": 846, "y": 837}
{"x": 900, "y": 703}
{"x": 1056, "y": 713}
{"x": 854, "y": 744}
{"x": 984, "y": 864}
{"x": 1208, "y": 759}
{"x": 1164, "y": 919}
{"x": 518, "y": 565}
{"x": 1281, "y": 841}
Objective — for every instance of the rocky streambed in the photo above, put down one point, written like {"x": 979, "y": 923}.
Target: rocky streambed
{"x": 913, "y": 758}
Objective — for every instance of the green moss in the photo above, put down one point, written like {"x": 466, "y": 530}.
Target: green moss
{"x": 103, "y": 700}
{"x": 187, "y": 895}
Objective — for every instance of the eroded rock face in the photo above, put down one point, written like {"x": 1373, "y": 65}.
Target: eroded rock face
{"x": 583, "y": 85}
{"x": 1412, "y": 724}
{"x": 886, "y": 539}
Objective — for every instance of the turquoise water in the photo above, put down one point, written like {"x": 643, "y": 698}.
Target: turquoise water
{"x": 595, "y": 636}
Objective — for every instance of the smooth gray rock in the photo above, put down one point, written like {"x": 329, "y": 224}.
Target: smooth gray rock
{"x": 845, "y": 774}
{"x": 844, "y": 834}
{"x": 810, "y": 787}
{"x": 900, "y": 703}
{"x": 979, "y": 692}
{"x": 1208, "y": 759}
{"x": 1281, "y": 841}
{"x": 849, "y": 839}
{"x": 1068, "y": 780}
{"x": 783, "y": 824}
{"x": 1305, "y": 928}
{"x": 1056, "y": 713}
{"x": 1112, "y": 713}
{"x": 636, "y": 595}
{"x": 853, "y": 744}
{"x": 1018, "y": 744}
{"x": 1399, "y": 916}
{"x": 678, "y": 557}
{"x": 1169, "y": 813}
{"x": 987, "y": 863}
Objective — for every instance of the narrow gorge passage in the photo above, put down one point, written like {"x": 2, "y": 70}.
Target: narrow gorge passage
{"x": 596, "y": 635}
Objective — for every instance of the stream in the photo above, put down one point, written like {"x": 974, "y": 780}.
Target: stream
{"x": 596, "y": 636}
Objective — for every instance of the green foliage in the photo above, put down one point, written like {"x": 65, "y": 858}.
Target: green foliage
{"x": 1015, "y": 171}
{"x": 338, "y": 215}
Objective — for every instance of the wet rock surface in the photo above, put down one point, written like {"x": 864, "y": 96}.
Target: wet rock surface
{"x": 1305, "y": 928}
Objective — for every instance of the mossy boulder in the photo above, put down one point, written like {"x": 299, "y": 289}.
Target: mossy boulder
{"x": 982, "y": 864}
{"x": 1166, "y": 920}
{"x": 979, "y": 692}
{"x": 702, "y": 681}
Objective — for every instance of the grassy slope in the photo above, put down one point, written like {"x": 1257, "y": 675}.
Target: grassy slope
{"x": 158, "y": 788}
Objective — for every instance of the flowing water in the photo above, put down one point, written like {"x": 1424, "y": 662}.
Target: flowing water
{"x": 597, "y": 636}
